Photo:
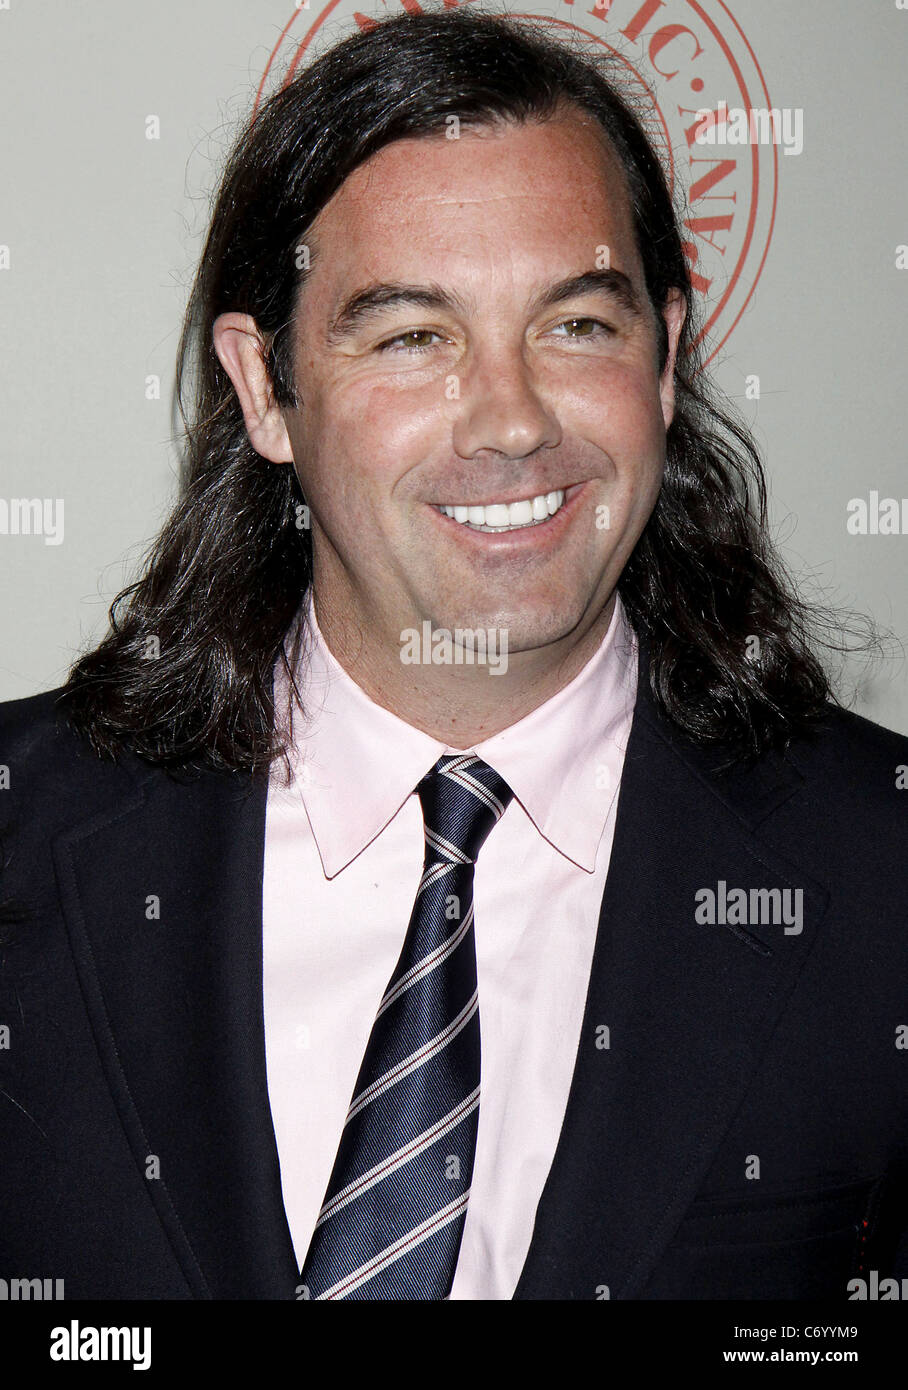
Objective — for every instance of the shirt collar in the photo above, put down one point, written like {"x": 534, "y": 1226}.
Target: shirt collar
{"x": 354, "y": 763}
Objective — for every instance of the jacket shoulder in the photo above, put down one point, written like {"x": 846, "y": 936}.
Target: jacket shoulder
{"x": 848, "y": 815}
{"x": 50, "y": 769}
{"x": 851, "y": 753}
{"x": 36, "y": 727}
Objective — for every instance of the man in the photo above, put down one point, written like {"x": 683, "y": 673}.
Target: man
{"x": 567, "y": 959}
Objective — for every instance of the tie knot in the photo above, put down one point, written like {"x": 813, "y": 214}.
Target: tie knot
{"x": 462, "y": 798}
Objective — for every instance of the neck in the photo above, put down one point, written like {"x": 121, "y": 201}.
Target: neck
{"x": 459, "y": 702}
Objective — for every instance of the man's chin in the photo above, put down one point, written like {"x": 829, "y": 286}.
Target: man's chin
{"x": 519, "y": 629}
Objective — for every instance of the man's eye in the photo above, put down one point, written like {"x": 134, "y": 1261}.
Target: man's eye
{"x": 597, "y": 325}
{"x": 406, "y": 340}
{"x": 417, "y": 339}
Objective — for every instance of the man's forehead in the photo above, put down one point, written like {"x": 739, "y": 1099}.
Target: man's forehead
{"x": 530, "y": 200}
{"x": 526, "y": 165}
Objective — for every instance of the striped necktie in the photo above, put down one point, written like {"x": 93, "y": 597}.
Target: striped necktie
{"x": 393, "y": 1215}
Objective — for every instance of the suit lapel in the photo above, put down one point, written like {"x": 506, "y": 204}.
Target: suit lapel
{"x": 163, "y": 902}
{"x": 689, "y": 1009}
{"x": 175, "y": 1002}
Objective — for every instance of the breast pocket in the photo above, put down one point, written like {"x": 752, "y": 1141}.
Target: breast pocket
{"x": 804, "y": 1244}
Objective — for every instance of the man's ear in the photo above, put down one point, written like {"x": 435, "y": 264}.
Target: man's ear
{"x": 674, "y": 313}
{"x": 241, "y": 351}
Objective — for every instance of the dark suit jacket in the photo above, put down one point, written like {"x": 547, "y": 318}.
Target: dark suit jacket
{"x": 137, "y": 1155}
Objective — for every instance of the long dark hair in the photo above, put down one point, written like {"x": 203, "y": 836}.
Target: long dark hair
{"x": 184, "y": 677}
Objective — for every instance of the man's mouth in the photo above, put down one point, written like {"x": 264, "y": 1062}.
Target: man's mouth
{"x": 507, "y": 516}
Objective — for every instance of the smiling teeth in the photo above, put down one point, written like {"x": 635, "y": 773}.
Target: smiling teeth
{"x": 508, "y": 516}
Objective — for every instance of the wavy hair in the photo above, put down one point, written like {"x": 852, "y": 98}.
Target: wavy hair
{"x": 184, "y": 675}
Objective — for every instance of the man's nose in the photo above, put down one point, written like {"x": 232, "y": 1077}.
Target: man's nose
{"x": 500, "y": 407}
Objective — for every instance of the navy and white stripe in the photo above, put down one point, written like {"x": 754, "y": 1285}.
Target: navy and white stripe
{"x": 393, "y": 1214}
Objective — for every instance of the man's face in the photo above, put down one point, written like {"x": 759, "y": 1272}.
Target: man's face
{"x": 475, "y": 388}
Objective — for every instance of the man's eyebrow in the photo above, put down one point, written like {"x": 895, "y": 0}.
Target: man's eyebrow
{"x": 374, "y": 299}
{"x": 613, "y": 283}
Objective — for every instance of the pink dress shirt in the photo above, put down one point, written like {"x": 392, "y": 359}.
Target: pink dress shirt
{"x": 343, "y": 856}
